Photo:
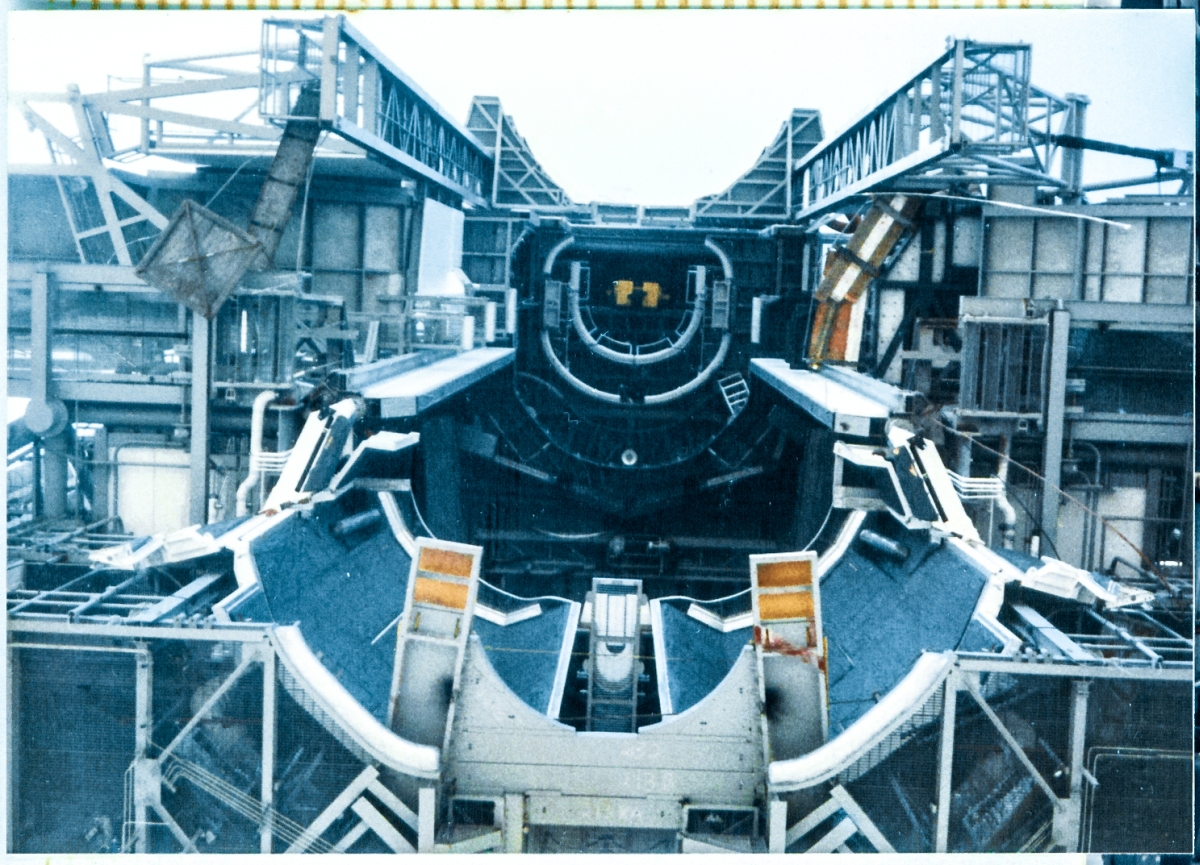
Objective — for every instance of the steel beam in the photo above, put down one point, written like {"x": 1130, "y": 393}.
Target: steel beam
{"x": 862, "y": 821}
{"x": 777, "y": 832}
{"x": 517, "y": 178}
{"x": 766, "y": 190}
{"x": 514, "y": 823}
{"x": 144, "y": 776}
{"x": 1133, "y": 429}
{"x": 830, "y": 403}
{"x": 229, "y": 632}
{"x": 349, "y": 839}
{"x": 1051, "y": 639}
{"x": 201, "y": 376}
{"x": 267, "y": 795}
{"x": 400, "y": 121}
{"x": 1056, "y": 394}
{"x": 835, "y": 838}
{"x": 380, "y": 826}
{"x": 426, "y": 802}
{"x": 946, "y": 762}
{"x": 1013, "y": 744}
{"x": 39, "y": 335}
{"x": 1140, "y": 671}
{"x": 176, "y": 830}
{"x": 415, "y": 391}
{"x": 334, "y": 810}
{"x": 208, "y": 705}
{"x": 12, "y": 738}
{"x": 1067, "y": 819}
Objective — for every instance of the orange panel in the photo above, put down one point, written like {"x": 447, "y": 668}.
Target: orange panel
{"x": 792, "y": 605}
{"x": 443, "y": 594}
{"x": 449, "y": 562}
{"x": 822, "y": 326}
{"x": 836, "y": 347}
{"x": 797, "y": 573}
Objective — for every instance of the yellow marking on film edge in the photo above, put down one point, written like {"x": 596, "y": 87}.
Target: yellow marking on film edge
{"x": 348, "y": 5}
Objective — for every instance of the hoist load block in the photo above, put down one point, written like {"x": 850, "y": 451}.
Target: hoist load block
{"x": 199, "y": 258}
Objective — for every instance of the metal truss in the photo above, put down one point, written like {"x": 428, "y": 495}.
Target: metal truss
{"x": 517, "y": 180}
{"x": 103, "y": 596}
{"x": 962, "y": 119}
{"x": 368, "y": 100}
{"x": 764, "y": 190}
{"x": 112, "y": 224}
{"x": 106, "y": 216}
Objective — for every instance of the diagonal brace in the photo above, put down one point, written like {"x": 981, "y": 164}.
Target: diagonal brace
{"x": 1014, "y": 746}
{"x": 180, "y": 835}
{"x": 209, "y": 704}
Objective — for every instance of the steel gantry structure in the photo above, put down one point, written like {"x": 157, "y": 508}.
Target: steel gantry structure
{"x": 591, "y": 572}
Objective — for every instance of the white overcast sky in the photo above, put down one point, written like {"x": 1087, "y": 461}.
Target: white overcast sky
{"x": 662, "y": 107}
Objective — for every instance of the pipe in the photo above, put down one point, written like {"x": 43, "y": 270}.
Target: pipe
{"x": 653, "y": 399}
{"x": 356, "y": 523}
{"x": 637, "y": 359}
{"x": 256, "y": 434}
{"x": 1008, "y": 521}
{"x": 56, "y": 476}
{"x": 558, "y": 247}
{"x": 1096, "y": 451}
{"x": 726, "y": 264}
{"x": 885, "y": 546}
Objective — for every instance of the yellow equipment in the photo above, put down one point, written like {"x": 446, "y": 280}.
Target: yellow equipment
{"x": 623, "y": 289}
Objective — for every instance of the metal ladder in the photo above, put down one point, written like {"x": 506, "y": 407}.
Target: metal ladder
{"x": 736, "y": 392}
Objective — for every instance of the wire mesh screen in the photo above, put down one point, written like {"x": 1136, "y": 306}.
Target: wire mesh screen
{"x": 1137, "y": 746}
{"x": 1139, "y": 750}
{"x": 74, "y": 719}
{"x": 306, "y": 702}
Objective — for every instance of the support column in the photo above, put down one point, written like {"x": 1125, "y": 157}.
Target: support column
{"x": 39, "y": 337}
{"x": 286, "y": 427}
{"x": 1066, "y": 819}
{"x": 145, "y": 770}
{"x": 45, "y": 416}
{"x": 1056, "y": 394}
{"x": 946, "y": 762}
{"x": 198, "y": 500}
{"x": 956, "y": 98}
{"x": 99, "y": 470}
{"x": 1072, "y": 158}
{"x": 13, "y": 740}
{"x": 55, "y": 474}
{"x": 426, "y": 803}
{"x": 443, "y": 475}
{"x": 514, "y": 823}
{"x": 777, "y": 826}
{"x": 268, "y": 746}
{"x": 964, "y": 456}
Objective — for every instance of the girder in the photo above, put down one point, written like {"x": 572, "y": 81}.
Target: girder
{"x": 368, "y": 100}
{"x": 764, "y": 190}
{"x": 517, "y": 180}
{"x": 963, "y": 118}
